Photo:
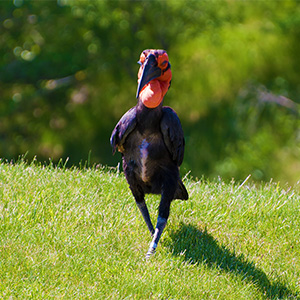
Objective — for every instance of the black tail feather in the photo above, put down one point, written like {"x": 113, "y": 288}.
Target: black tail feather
{"x": 181, "y": 192}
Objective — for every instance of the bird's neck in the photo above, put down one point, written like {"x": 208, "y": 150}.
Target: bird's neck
{"x": 148, "y": 118}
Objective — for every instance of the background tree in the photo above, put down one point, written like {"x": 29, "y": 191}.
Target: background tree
{"x": 68, "y": 72}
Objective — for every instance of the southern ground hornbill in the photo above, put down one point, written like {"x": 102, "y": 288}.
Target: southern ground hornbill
{"x": 150, "y": 139}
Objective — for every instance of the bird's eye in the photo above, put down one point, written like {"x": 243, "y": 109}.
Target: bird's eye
{"x": 163, "y": 60}
{"x": 164, "y": 64}
{"x": 142, "y": 58}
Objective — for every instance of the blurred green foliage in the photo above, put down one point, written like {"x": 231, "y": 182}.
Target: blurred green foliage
{"x": 68, "y": 72}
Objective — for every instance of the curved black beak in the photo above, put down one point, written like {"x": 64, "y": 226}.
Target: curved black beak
{"x": 150, "y": 72}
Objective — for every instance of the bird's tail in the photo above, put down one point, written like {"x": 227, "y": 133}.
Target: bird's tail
{"x": 181, "y": 192}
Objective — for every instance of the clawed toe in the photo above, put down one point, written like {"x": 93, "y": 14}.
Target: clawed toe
{"x": 150, "y": 252}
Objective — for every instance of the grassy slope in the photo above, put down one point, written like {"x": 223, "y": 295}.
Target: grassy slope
{"x": 78, "y": 234}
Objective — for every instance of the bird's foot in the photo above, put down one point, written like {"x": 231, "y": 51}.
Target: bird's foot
{"x": 151, "y": 251}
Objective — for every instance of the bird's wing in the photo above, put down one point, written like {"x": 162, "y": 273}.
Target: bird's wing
{"x": 173, "y": 134}
{"x": 123, "y": 128}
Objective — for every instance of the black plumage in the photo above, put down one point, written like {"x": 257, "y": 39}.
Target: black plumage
{"x": 151, "y": 142}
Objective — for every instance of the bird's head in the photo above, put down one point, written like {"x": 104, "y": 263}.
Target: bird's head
{"x": 154, "y": 77}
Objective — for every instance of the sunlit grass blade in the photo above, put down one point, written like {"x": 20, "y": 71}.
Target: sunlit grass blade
{"x": 77, "y": 234}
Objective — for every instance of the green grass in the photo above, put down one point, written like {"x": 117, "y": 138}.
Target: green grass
{"x": 77, "y": 234}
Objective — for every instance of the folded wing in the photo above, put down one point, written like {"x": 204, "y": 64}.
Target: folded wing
{"x": 123, "y": 128}
{"x": 172, "y": 134}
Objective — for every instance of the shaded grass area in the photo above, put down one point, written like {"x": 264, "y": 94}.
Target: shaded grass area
{"x": 77, "y": 234}
{"x": 203, "y": 248}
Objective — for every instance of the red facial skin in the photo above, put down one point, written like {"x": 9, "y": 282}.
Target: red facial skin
{"x": 154, "y": 91}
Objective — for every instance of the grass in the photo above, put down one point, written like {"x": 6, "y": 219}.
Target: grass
{"x": 77, "y": 234}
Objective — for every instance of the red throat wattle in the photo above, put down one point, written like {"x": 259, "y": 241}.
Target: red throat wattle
{"x": 153, "y": 92}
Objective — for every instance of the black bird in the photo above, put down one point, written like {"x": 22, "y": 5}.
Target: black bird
{"x": 151, "y": 141}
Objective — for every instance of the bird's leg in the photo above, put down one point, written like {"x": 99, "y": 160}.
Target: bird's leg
{"x": 145, "y": 213}
{"x": 163, "y": 214}
{"x": 160, "y": 226}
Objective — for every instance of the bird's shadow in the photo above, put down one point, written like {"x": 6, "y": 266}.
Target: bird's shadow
{"x": 197, "y": 246}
